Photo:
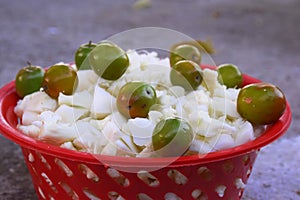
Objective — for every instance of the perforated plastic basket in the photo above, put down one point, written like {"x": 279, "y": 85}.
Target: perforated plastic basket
{"x": 65, "y": 174}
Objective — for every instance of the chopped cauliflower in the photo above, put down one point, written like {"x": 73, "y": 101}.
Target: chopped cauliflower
{"x": 55, "y": 132}
{"x": 244, "y": 132}
{"x": 210, "y": 80}
{"x": 71, "y": 114}
{"x": 86, "y": 80}
{"x": 68, "y": 145}
{"x": 89, "y": 120}
{"x": 221, "y": 141}
{"x": 110, "y": 149}
{"x": 103, "y": 103}
{"x": 89, "y": 138}
{"x": 200, "y": 146}
{"x": 30, "y": 130}
{"x": 81, "y": 99}
{"x": 37, "y": 102}
{"x": 141, "y": 130}
{"x": 29, "y": 117}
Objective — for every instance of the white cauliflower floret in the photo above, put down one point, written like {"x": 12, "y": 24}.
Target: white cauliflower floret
{"x": 86, "y": 80}
{"x": 221, "y": 141}
{"x": 150, "y": 65}
{"x": 169, "y": 112}
{"x": 150, "y": 58}
{"x": 68, "y": 145}
{"x": 55, "y": 132}
{"x": 192, "y": 106}
{"x": 146, "y": 152}
{"x": 103, "y": 103}
{"x": 221, "y": 126}
{"x": 258, "y": 131}
{"x": 210, "y": 80}
{"x": 199, "y": 96}
{"x": 176, "y": 91}
{"x": 155, "y": 116}
{"x": 141, "y": 130}
{"x": 167, "y": 100}
{"x": 232, "y": 93}
{"x": 119, "y": 120}
{"x": 222, "y": 106}
{"x": 200, "y": 146}
{"x": 122, "y": 146}
{"x": 110, "y": 149}
{"x": 113, "y": 133}
{"x": 220, "y": 91}
{"x": 147, "y": 69}
{"x": 134, "y": 60}
{"x": 206, "y": 126}
{"x": 79, "y": 99}
{"x": 195, "y": 101}
{"x": 29, "y": 117}
{"x": 70, "y": 114}
{"x": 244, "y": 132}
{"x": 99, "y": 123}
{"x": 157, "y": 73}
{"x": 200, "y": 121}
{"x": 89, "y": 139}
{"x": 36, "y": 102}
{"x": 49, "y": 117}
{"x": 30, "y": 130}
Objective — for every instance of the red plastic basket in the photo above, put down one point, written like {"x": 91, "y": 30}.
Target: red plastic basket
{"x": 65, "y": 174}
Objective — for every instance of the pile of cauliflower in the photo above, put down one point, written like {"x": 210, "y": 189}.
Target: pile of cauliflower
{"x": 89, "y": 121}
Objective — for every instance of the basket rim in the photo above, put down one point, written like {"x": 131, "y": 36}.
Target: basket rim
{"x": 272, "y": 133}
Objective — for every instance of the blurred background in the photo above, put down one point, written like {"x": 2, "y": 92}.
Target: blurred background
{"x": 262, "y": 37}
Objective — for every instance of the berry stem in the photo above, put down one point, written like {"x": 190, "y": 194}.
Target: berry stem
{"x": 90, "y": 43}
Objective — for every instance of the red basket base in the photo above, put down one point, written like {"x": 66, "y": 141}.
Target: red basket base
{"x": 56, "y": 178}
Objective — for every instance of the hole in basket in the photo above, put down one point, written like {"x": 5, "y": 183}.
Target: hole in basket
{"x": 50, "y": 197}
{"x": 142, "y": 196}
{"x": 44, "y": 161}
{"x": 171, "y": 196}
{"x": 63, "y": 167}
{"x": 246, "y": 160}
{"x": 257, "y": 151}
{"x": 205, "y": 173}
{"x": 220, "y": 190}
{"x": 88, "y": 172}
{"x": 118, "y": 177}
{"x": 228, "y": 167}
{"x": 239, "y": 184}
{"x": 90, "y": 195}
{"x": 41, "y": 193}
{"x": 71, "y": 193}
{"x": 248, "y": 172}
{"x": 44, "y": 175}
{"x": 30, "y": 158}
{"x": 241, "y": 193}
{"x": 199, "y": 195}
{"x": 115, "y": 196}
{"x": 148, "y": 178}
{"x": 177, "y": 177}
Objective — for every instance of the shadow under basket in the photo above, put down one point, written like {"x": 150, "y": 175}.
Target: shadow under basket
{"x": 59, "y": 173}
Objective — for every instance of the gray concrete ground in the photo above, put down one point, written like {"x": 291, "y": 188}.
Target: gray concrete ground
{"x": 260, "y": 36}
